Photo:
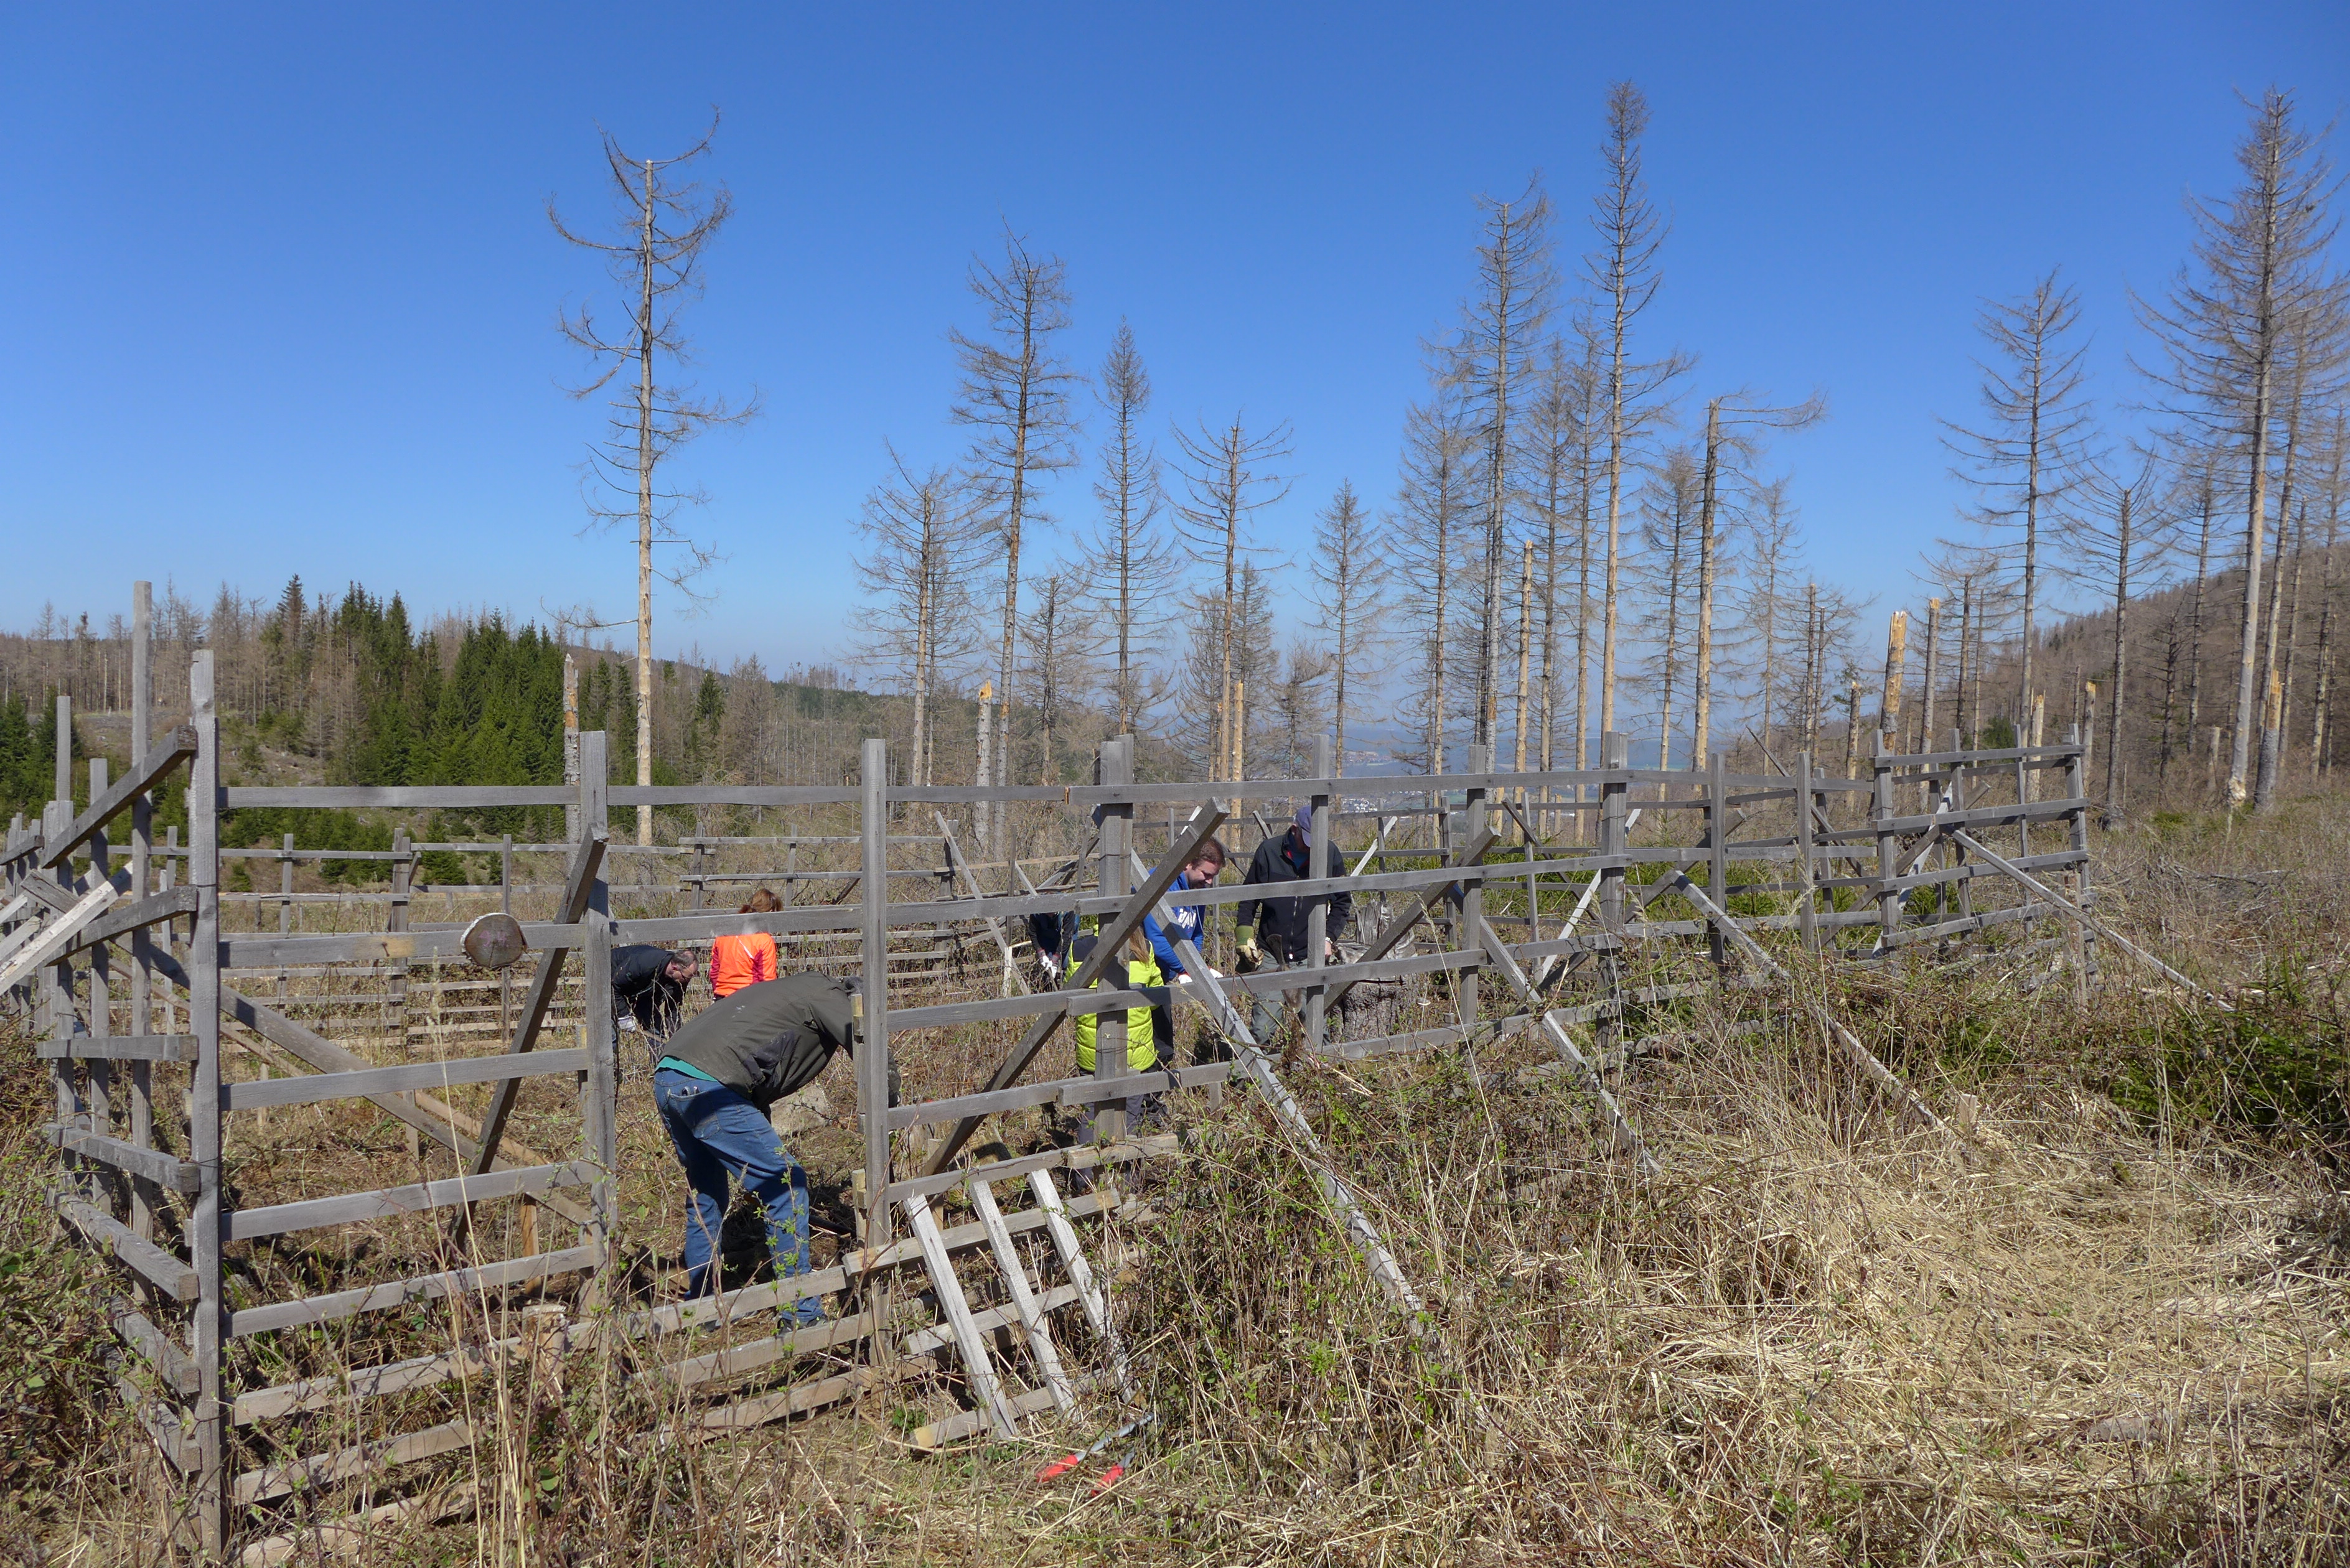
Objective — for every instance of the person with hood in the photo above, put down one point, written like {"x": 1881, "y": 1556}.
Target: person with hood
{"x": 648, "y": 987}
{"x": 714, "y": 1084}
{"x": 1272, "y": 930}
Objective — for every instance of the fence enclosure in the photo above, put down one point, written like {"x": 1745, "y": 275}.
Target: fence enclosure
{"x": 177, "y": 1018}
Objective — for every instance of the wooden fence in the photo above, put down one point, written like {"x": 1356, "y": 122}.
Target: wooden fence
{"x": 167, "y": 1023}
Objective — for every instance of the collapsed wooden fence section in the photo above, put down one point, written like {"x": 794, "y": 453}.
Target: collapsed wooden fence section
{"x": 1542, "y": 881}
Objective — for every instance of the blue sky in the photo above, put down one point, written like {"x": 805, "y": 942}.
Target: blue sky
{"x": 287, "y": 295}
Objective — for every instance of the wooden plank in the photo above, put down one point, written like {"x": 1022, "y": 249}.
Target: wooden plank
{"x": 149, "y": 912}
{"x": 968, "y": 1422}
{"x": 795, "y": 1401}
{"x": 1024, "y": 1295}
{"x": 338, "y": 1304}
{"x": 118, "y": 1048}
{"x": 173, "y": 1175}
{"x": 165, "y": 753}
{"x": 267, "y": 952}
{"x": 736, "y": 1360}
{"x": 170, "y": 1364}
{"x": 165, "y": 1273}
{"x": 163, "y": 1424}
{"x": 978, "y": 1369}
{"x": 579, "y": 887}
{"x": 1079, "y": 1269}
{"x": 1082, "y": 1157}
{"x": 370, "y": 1081}
{"x": 56, "y": 938}
{"x": 341, "y": 1464}
{"x": 394, "y": 797}
{"x": 417, "y": 1198}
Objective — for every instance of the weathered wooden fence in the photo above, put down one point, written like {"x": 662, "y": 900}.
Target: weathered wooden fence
{"x": 165, "y": 1023}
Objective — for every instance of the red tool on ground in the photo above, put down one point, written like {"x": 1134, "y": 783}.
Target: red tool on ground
{"x": 1063, "y": 1466}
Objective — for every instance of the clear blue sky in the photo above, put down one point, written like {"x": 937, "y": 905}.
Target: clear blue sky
{"x": 285, "y": 291}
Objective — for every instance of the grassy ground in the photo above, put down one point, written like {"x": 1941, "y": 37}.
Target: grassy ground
{"x": 2107, "y": 1328}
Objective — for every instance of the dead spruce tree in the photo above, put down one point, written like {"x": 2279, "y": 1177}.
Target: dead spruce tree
{"x": 1062, "y": 640}
{"x": 916, "y": 616}
{"x": 1668, "y": 532}
{"x": 1734, "y": 424}
{"x": 1350, "y": 573}
{"x": 2259, "y": 271}
{"x": 1226, "y": 483}
{"x": 2023, "y": 457}
{"x": 1015, "y": 391}
{"x": 1560, "y": 433}
{"x": 1493, "y": 361}
{"x": 1134, "y": 555}
{"x": 1434, "y": 505}
{"x": 1623, "y": 268}
{"x": 2115, "y": 542}
{"x": 663, "y": 226}
{"x": 1767, "y": 598}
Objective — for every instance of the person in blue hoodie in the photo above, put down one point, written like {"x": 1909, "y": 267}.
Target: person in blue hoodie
{"x": 1190, "y": 924}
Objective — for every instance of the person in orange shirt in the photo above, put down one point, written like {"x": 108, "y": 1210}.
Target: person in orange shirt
{"x": 741, "y": 960}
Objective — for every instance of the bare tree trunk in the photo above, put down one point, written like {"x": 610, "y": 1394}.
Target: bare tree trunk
{"x": 1933, "y": 675}
{"x": 2115, "y": 781}
{"x": 2194, "y": 623}
{"x": 1525, "y": 648}
{"x": 1701, "y": 697}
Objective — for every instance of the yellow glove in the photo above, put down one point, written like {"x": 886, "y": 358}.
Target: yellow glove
{"x": 1251, "y": 955}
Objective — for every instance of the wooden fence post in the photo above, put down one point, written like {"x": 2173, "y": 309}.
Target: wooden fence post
{"x": 1615, "y": 839}
{"x": 2075, "y": 885}
{"x": 1317, "y": 918}
{"x": 599, "y": 1086}
{"x": 873, "y": 1035}
{"x": 207, "y": 1226}
{"x": 142, "y": 852}
{"x": 1717, "y": 871}
{"x": 1889, "y": 899}
{"x": 1115, "y": 766}
{"x": 1807, "y": 915}
{"x": 1473, "y": 809}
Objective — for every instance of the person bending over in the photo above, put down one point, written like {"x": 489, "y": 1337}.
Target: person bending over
{"x": 736, "y": 961}
{"x": 720, "y": 1073}
{"x": 1207, "y": 864}
{"x": 1272, "y": 930}
{"x": 1142, "y": 973}
{"x": 648, "y": 987}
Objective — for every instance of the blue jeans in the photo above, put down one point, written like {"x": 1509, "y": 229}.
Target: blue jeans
{"x": 716, "y": 1132}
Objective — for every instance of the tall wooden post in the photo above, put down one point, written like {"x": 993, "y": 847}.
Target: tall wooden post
{"x": 601, "y": 1084}
{"x": 1888, "y": 847}
{"x": 207, "y": 1224}
{"x": 403, "y": 881}
{"x": 1472, "y": 894}
{"x": 1717, "y": 870}
{"x": 570, "y": 742}
{"x": 1116, "y": 767}
{"x": 1317, "y": 918}
{"x": 1615, "y": 840}
{"x": 2075, "y": 885}
{"x": 873, "y": 1032}
{"x": 1958, "y": 852}
{"x": 1806, "y": 915}
{"x": 142, "y": 854}
{"x": 101, "y": 988}
{"x": 1615, "y": 755}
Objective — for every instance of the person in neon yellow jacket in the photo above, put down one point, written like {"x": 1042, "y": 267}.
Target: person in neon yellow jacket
{"x": 1142, "y": 973}
{"x": 1142, "y": 1044}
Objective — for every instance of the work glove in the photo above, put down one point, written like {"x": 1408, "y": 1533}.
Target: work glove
{"x": 1251, "y": 955}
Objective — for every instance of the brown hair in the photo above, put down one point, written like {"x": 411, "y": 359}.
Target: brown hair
{"x": 762, "y": 902}
{"x": 1211, "y": 845}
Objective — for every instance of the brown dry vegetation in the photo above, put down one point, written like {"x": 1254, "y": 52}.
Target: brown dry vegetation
{"x": 2109, "y": 1329}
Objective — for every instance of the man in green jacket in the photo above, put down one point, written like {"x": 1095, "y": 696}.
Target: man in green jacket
{"x": 719, "y": 1074}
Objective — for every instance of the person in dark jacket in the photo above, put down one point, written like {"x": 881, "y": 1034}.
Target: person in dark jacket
{"x": 1272, "y": 930}
{"x": 648, "y": 986}
{"x": 720, "y": 1073}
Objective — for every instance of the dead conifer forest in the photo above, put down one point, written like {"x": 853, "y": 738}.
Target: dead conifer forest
{"x": 1816, "y": 1072}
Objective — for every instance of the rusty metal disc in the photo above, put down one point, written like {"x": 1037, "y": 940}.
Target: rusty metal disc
{"x": 493, "y": 941}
